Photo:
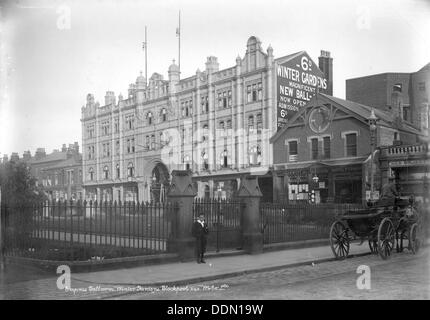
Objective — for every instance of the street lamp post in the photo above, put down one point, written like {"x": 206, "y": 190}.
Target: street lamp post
{"x": 372, "y": 126}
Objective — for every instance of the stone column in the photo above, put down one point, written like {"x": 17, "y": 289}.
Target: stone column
{"x": 250, "y": 194}
{"x": 182, "y": 193}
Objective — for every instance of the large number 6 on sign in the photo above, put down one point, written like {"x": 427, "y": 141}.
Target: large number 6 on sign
{"x": 305, "y": 63}
{"x": 283, "y": 113}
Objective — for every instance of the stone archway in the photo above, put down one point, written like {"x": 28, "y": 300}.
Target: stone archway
{"x": 157, "y": 180}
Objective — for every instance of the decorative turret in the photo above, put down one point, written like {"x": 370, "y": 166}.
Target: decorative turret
{"x": 174, "y": 72}
{"x": 212, "y": 64}
{"x": 110, "y": 98}
{"x": 140, "y": 88}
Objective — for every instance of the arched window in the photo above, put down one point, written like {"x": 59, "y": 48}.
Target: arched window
{"x": 153, "y": 142}
{"x": 130, "y": 170}
{"x": 118, "y": 172}
{"x": 221, "y": 125}
{"x": 106, "y": 172}
{"x": 163, "y": 115}
{"x": 91, "y": 172}
{"x": 149, "y": 117}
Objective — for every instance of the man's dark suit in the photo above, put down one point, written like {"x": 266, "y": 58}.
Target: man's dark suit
{"x": 200, "y": 233}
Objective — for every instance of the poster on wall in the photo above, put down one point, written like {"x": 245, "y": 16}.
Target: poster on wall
{"x": 297, "y": 80}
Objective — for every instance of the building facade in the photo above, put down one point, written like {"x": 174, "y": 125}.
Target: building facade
{"x": 60, "y": 172}
{"x": 216, "y": 123}
{"x": 325, "y": 151}
{"x": 410, "y": 89}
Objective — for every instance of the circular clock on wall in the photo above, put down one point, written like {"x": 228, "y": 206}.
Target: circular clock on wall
{"x": 319, "y": 119}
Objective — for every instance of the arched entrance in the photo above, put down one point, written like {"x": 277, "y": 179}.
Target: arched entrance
{"x": 160, "y": 180}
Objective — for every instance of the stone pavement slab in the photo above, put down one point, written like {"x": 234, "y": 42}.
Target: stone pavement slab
{"x": 185, "y": 272}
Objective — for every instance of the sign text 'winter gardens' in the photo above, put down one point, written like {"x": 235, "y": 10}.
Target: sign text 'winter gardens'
{"x": 297, "y": 80}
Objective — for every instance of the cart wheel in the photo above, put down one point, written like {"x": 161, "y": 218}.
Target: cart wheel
{"x": 339, "y": 240}
{"x": 373, "y": 246}
{"x": 414, "y": 242}
{"x": 386, "y": 235}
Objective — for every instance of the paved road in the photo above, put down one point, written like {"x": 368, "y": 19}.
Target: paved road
{"x": 403, "y": 277}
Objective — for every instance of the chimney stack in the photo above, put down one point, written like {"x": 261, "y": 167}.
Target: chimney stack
{"x": 325, "y": 63}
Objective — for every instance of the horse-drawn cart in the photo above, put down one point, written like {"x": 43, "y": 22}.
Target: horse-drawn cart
{"x": 387, "y": 224}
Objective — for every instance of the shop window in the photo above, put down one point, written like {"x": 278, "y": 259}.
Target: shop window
{"x": 326, "y": 146}
{"x": 314, "y": 148}
{"x": 351, "y": 145}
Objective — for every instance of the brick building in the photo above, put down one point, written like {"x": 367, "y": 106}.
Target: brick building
{"x": 216, "y": 123}
{"x": 410, "y": 89}
{"x": 325, "y": 150}
{"x": 60, "y": 172}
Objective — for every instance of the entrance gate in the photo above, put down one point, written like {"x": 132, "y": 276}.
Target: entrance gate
{"x": 224, "y": 219}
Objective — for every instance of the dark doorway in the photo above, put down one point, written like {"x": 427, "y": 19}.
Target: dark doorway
{"x": 266, "y": 187}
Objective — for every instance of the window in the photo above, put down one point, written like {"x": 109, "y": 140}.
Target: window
{"x": 326, "y": 147}
{"x": 130, "y": 170}
{"x": 204, "y": 102}
{"x": 106, "y": 172}
{"x": 228, "y": 124}
{"x": 105, "y": 128}
{"x": 224, "y": 162}
{"x": 205, "y": 132}
{"x": 70, "y": 177}
{"x": 153, "y": 142}
{"x": 230, "y": 100}
{"x": 254, "y": 92}
{"x": 422, "y": 86}
{"x": 90, "y": 131}
{"x": 90, "y": 152}
{"x": 130, "y": 145}
{"x": 106, "y": 149}
{"x": 116, "y": 125}
{"x": 91, "y": 172}
{"x": 259, "y": 122}
{"x": 205, "y": 158}
{"x": 351, "y": 145}
{"x": 187, "y": 162}
{"x": 222, "y": 125}
{"x": 292, "y": 151}
{"x": 250, "y": 123}
{"x": 129, "y": 122}
{"x": 118, "y": 171}
{"x": 149, "y": 117}
{"x": 406, "y": 113}
{"x": 117, "y": 147}
{"x": 163, "y": 115}
{"x": 314, "y": 148}
{"x": 147, "y": 140}
{"x": 255, "y": 155}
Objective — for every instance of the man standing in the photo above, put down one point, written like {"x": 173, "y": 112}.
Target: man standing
{"x": 200, "y": 231}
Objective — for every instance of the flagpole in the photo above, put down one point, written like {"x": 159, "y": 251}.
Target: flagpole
{"x": 179, "y": 35}
{"x": 146, "y": 59}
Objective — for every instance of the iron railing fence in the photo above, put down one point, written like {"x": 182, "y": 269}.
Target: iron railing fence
{"x": 224, "y": 219}
{"x": 295, "y": 222}
{"x": 68, "y": 230}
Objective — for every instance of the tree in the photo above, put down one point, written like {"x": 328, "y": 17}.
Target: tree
{"x": 20, "y": 195}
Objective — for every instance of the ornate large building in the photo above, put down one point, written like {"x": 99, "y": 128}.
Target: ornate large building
{"x": 216, "y": 123}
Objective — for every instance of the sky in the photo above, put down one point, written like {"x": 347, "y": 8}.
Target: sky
{"x": 53, "y": 53}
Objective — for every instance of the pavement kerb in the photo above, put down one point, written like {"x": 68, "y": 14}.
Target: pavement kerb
{"x": 189, "y": 281}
